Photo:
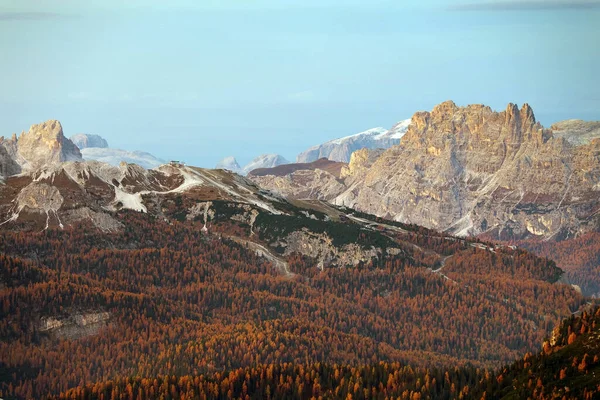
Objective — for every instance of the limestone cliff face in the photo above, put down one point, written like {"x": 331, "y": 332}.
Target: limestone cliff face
{"x": 472, "y": 170}
{"x": 8, "y": 166}
{"x": 44, "y": 144}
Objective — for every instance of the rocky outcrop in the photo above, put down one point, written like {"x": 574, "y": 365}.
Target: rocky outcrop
{"x": 44, "y": 144}
{"x": 74, "y": 326}
{"x": 8, "y": 166}
{"x": 360, "y": 161}
{"x": 40, "y": 197}
{"x": 84, "y": 141}
{"x": 471, "y": 170}
{"x": 342, "y": 148}
{"x": 320, "y": 247}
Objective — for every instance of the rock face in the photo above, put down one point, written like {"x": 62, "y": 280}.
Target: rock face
{"x": 471, "y": 170}
{"x": 8, "y": 166}
{"x": 341, "y": 149}
{"x": 43, "y": 145}
{"x": 576, "y": 131}
{"x": 84, "y": 141}
{"x": 74, "y": 326}
{"x": 320, "y": 247}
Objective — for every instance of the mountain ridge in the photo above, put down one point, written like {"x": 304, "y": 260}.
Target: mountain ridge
{"x": 341, "y": 149}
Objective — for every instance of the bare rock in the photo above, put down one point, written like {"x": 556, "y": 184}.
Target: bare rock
{"x": 40, "y": 197}
{"x": 44, "y": 145}
{"x": 8, "y": 166}
{"x": 471, "y": 170}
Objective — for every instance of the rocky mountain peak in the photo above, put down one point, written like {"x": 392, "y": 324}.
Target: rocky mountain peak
{"x": 45, "y": 144}
{"x": 473, "y": 170}
{"x": 446, "y": 108}
{"x": 229, "y": 163}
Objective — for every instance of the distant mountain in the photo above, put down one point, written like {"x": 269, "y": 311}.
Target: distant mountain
{"x": 262, "y": 161}
{"x": 95, "y": 147}
{"x": 230, "y": 164}
{"x": 83, "y": 141}
{"x": 117, "y": 156}
{"x": 341, "y": 149}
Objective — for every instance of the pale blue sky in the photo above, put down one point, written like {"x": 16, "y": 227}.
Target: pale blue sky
{"x": 200, "y": 82}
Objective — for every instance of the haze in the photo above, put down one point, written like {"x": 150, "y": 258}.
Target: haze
{"x": 200, "y": 82}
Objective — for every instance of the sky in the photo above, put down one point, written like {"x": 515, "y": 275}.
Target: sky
{"x": 201, "y": 80}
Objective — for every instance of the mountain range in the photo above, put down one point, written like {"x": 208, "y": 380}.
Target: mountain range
{"x": 472, "y": 171}
{"x": 338, "y": 150}
{"x": 113, "y": 272}
{"x": 95, "y": 147}
{"x": 341, "y": 149}
{"x": 262, "y": 161}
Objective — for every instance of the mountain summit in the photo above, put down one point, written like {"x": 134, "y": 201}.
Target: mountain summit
{"x": 42, "y": 145}
{"x": 471, "y": 170}
{"x": 264, "y": 161}
{"x": 230, "y": 164}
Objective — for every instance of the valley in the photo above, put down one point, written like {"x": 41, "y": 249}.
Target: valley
{"x": 114, "y": 272}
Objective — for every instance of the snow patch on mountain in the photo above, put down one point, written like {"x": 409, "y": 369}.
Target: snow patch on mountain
{"x": 264, "y": 161}
{"x": 342, "y": 148}
{"x": 230, "y": 164}
{"x": 373, "y": 132}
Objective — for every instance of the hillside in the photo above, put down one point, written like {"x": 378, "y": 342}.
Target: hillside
{"x": 121, "y": 271}
{"x": 156, "y": 296}
{"x": 567, "y": 369}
